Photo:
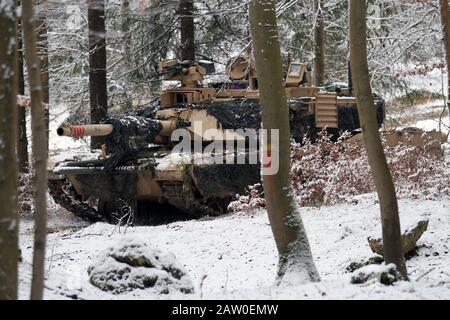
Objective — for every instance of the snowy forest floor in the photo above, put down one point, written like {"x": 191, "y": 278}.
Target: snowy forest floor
{"x": 234, "y": 256}
{"x": 426, "y": 116}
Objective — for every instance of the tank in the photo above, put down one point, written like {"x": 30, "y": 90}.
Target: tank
{"x": 190, "y": 152}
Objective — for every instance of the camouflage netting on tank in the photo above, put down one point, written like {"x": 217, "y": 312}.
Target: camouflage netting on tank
{"x": 147, "y": 111}
{"x": 236, "y": 114}
{"x": 130, "y": 134}
{"x": 229, "y": 179}
{"x": 349, "y": 119}
{"x": 109, "y": 187}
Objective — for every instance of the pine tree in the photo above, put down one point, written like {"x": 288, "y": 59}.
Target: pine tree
{"x": 22, "y": 139}
{"x": 319, "y": 45}
{"x": 187, "y": 30}
{"x": 97, "y": 66}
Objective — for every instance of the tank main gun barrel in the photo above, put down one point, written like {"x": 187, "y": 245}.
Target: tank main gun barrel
{"x": 166, "y": 127}
{"x": 93, "y": 130}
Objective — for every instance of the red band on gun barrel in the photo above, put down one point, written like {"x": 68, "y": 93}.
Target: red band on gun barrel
{"x": 77, "y": 131}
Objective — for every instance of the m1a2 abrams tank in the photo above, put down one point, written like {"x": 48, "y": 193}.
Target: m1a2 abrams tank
{"x": 141, "y": 170}
{"x": 142, "y": 165}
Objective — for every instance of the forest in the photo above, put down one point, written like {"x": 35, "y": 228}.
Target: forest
{"x": 224, "y": 150}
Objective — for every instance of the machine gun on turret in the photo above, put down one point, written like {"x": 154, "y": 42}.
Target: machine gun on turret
{"x": 190, "y": 74}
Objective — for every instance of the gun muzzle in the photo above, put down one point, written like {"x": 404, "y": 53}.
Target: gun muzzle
{"x": 92, "y": 130}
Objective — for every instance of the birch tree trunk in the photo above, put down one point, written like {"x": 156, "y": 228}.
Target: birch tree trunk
{"x": 319, "y": 45}
{"x": 445, "y": 20}
{"x": 296, "y": 265}
{"x": 187, "y": 30}
{"x": 9, "y": 250}
{"x": 97, "y": 66}
{"x": 39, "y": 150}
{"x": 377, "y": 159}
{"x": 22, "y": 140}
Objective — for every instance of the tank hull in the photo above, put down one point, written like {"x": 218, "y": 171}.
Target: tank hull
{"x": 197, "y": 188}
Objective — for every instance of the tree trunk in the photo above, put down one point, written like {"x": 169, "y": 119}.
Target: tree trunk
{"x": 97, "y": 66}
{"x": 39, "y": 150}
{"x": 43, "y": 57}
{"x": 187, "y": 30}
{"x": 445, "y": 20}
{"x": 9, "y": 250}
{"x": 126, "y": 50}
{"x": 377, "y": 159}
{"x": 319, "y": 45}
{"x": 22, "y": 140}
{"x": 126, "y": 46}
{"x": 349, "y": 79}
{"x": 296, "y": 265}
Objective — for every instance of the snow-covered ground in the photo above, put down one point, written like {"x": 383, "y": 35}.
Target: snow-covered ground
{"x": 234, "y": 256}
{"x": 434, "y": 81}
{"x": 439, "y": 119}
{"x": 427, "y": 116}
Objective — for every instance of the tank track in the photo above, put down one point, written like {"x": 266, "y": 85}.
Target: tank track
{"x": 194, "y": 207}
{"x": 64, "y": 194}
{"x": 212, "y": 207}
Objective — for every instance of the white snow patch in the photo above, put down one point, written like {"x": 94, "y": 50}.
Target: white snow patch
{"x": 234, "y": 256}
